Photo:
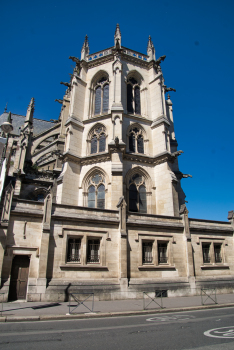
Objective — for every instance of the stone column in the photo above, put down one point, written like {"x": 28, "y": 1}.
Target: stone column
{"x": 5, "y": 218}
{"x": 44, "y": 249}
{"x": 188, "y": 247}
{"x": 123, "y": 248}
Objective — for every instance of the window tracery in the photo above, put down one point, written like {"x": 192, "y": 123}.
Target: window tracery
{"x": 137, "y": 194}
{"x": 136, "y": 140}
{"x": 133, "y": 96}
{"x": 101, "y": 103}
{"x": 96, "y": 191}
{"x": 98, "y": 140}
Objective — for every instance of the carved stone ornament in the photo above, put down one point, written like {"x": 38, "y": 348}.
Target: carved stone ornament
{"x": 183, "y": 210}
{"x": 121, "y": 202}
{"x": 231, "y": 215}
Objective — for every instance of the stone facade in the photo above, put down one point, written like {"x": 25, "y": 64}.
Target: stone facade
{"x": 93, "y": 201}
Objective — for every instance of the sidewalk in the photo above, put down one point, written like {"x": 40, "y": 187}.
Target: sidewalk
{"x": 28, "y": 311}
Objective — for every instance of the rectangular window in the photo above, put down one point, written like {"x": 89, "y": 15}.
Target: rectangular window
{"x": 217, "y": 252}
{"x": 162, "y": 253}
{"x": 93, "y": 253}
{"x": 206, "y": 253}
{"x": 73, "y": 251}
{"x": 147, "y": 256}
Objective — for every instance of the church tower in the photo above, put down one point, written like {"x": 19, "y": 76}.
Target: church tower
{"x": 119, "y": 133}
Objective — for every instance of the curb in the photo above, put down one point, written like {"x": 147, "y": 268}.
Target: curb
{"x": 109, "y": 314}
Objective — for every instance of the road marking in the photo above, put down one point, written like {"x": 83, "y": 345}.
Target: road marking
{"x": 170, "y": 318}
{"x": 223, "y": 332}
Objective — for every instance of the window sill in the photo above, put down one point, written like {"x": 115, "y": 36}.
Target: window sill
{"x": 215, "y": 266}
{"x": 158, "y": 267}
{"x": 77, "y": 266}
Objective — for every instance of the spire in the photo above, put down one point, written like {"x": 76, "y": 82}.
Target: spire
{"x": 5, "y": 108}
{"x": 150, "y": 49}
{"x": 117, "y": 36}
{"x": 30, "y": 111}
{"x": 85, "y": 48}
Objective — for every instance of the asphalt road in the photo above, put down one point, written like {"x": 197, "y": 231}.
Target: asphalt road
{"x": 172, "y": 331}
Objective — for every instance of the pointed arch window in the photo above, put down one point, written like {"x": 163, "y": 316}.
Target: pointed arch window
{"x": 137, "y": 194}
{"x": 133, "y": 96}
{"x": 101, "y": 104}
{"x": 96, "y": 192}
{"x": 136, "y": 140}
{"x": 98, "y": 140}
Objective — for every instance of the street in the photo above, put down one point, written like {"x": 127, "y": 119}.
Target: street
{"x": 179, "y": 330}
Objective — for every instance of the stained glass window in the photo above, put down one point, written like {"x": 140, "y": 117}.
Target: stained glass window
{"x": 142, "y": 199}
{"x": 137, "y": 194}
{"x": 133, "y": 196}
{"x": 101, "y": 197}
{"x": 102, "y": 143}
{"x": 91, "y": 197}
{"x": 137, "y": 100}
{"x": 98, "y": 94}
{"x": 140, "y": 144}
{"x": 94, "y": 144}
{"x": 129, "y": 98}
{"x": 105, "y": 105}
{"x": 132, "y": 143}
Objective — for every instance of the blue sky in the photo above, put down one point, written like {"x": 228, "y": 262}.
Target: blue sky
{"x": 37, "y": 37}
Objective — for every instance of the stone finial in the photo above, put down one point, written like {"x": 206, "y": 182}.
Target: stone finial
{"x": 85, "y": 48}
{"x": 168, "y": 101}
{"x": 117, "y": 37}
{"x": 150, "y": 49}
{"x": 30, "y": 111}
{"x": 230, "y": 215}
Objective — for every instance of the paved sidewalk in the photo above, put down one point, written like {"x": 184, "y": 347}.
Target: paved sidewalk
{"x": 23, "y": 311}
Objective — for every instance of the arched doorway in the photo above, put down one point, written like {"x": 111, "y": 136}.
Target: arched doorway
{"x": 19, "y": 277}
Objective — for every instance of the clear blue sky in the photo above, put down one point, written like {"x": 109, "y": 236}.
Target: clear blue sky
{"x": 37, "y": 37}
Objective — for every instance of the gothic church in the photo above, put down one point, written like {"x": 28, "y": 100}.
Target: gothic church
{"x": 92, "y": 202}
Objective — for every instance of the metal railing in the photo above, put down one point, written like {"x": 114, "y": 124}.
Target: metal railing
{"x": 76, "y": 297}
{"x": 209, "y": 294}
{"x": 153, "y": 299}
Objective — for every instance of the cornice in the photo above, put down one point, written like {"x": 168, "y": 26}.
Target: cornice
{"x": 96, "y": 159}
{"x": 96, "y": 119}
{"x": 100, "y": 61}
{"x": 138, "y": 118}
{"x": 156, "y": 160}
{"x": 74, "y": 121}
{"x": 159, "y": 121}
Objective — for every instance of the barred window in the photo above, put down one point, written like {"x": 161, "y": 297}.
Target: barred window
{"x": 217, "y": 252}
{"x": 147, "y": 256}
{"x": 93, "y": 255}
{"x": 162, "y": 253}
{"x": 137, "y": 194}
{"x": 101, "y": 96}
{"x": 206, "y": 252}
{"x": 136, "y": 141}
{"x": 133, "y": 96}
{"x": 96, "y": 192}
{"x": 73, "y": 251}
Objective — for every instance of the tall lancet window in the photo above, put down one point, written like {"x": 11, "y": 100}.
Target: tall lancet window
{"x": 96, "y": 192}
{"x": 136, "y": 141}
{"x": 137, "y": 194}
{"x": 133, "y": 96}
{"x": 101, "y": 105}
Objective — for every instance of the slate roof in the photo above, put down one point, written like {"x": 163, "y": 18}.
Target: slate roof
{"x": 39, "y": 125}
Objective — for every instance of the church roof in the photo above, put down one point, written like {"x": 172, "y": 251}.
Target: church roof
{"x": 39, "y": 125}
